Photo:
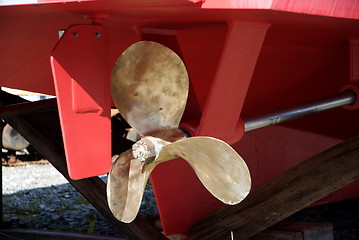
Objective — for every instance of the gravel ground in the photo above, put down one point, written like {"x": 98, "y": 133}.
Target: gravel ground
{"x": 38, "y": 196}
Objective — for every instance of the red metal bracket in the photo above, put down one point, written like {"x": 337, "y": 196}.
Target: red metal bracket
{"x": 354, "y": 60}
{"x": 84, "y": 100}
{"x": 230, "y": 85}
{"x": 354, "y": 72}
{"x": 181, "y": 198}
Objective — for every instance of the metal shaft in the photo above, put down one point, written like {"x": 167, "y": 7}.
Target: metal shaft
{"x": 320, "y": 105}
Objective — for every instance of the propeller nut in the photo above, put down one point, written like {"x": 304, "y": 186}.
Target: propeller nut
{"x": 143, "y": 149}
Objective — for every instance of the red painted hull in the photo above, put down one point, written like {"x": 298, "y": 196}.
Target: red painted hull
{"x": 243, "y": 59}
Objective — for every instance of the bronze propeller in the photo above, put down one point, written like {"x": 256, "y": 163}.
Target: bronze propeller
{"x": 149, "y": 85}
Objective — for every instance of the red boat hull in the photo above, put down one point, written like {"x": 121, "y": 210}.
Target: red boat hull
{"x": 244, "y": 58}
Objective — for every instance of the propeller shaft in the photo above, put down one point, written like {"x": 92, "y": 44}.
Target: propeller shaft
{"x": 340, "y": 100}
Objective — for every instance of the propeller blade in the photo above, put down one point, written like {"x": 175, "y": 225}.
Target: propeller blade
{"x": 218, "y": 166}
{"x": 149, "y": 85}
{"x": 128, "y": 177}
{"x": 12, "y": 140}
{"x": 220, "y": 169}
{"x": 125, "y": 185}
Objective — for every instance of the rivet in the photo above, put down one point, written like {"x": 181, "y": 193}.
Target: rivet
{"x": 97, "y": 35}
{"x": 75, "y": 35}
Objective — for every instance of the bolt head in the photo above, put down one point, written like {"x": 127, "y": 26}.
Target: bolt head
{"x": 140, "y": 151}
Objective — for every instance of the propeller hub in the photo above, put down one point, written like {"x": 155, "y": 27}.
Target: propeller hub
{"x": 148, "y": 148}
{"x": 145, "y": 148}
{"x": 140, "y": 151}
